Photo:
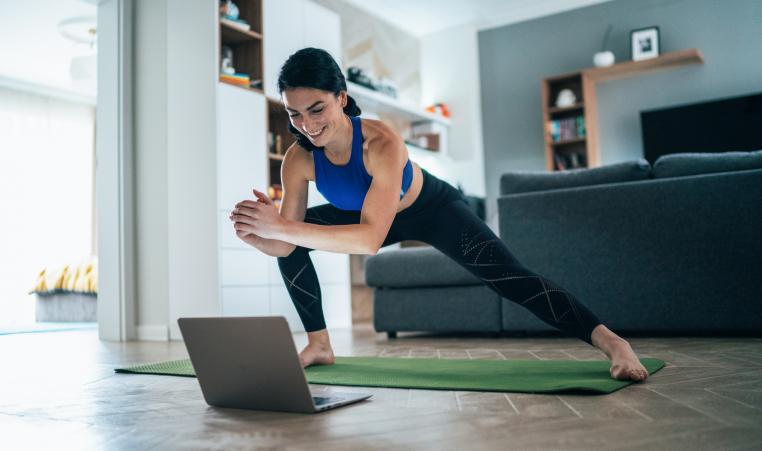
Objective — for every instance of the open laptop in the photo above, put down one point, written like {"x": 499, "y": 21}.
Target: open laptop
{"x": 252, "y": 363}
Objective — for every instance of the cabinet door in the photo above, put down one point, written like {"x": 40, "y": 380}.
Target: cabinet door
{"x": 228, "y": 238}
{"x": 337, "y": 307}
{"x": 241, "y": 144}
{"x": 283, "y": 35}
{"x": 331, "y": 268}
{"x": 245, "y": 301}
{"x": 244, "y": 267}
{"x": 281, "y": 305}
{"x": 322, "y": 29}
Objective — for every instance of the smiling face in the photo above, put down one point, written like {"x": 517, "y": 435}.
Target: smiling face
{"x": 315, "y": 113}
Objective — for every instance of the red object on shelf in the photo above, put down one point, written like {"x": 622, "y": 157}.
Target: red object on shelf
{"x": 439, "y": 108}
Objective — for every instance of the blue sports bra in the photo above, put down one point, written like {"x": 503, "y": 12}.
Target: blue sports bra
{"x": 345, "y": 186}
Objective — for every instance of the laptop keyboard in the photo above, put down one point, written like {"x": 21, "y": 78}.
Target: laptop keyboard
{"x": 326, "y": 399}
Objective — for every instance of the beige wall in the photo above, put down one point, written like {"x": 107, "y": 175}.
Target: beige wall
{"x": 372, "y": 44}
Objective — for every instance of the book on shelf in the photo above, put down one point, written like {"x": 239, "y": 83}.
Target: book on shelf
{"x": 236, "y": 79}
{"x": 236, "y": 23}
{"x": 560, "y": 165}
{"x": 567, "y": 129}
{"x": 256, "y": 84}
{"x": 571, "y": 160}
{"x": 275, "y": 143}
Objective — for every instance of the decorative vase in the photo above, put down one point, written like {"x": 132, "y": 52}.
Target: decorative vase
{"x": 565, "y": 98}
{"x": 603, "y": 59}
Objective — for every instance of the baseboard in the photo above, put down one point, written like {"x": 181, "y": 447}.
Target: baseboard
{"x": 153, "y": 333}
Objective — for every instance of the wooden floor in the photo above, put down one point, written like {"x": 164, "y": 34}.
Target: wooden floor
{"x": 58, "y": 391}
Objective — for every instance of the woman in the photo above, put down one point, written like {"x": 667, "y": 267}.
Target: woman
{"x": 378, "y": 197}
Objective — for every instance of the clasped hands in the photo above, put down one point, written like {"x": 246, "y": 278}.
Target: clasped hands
{"x": 260, "y": 218}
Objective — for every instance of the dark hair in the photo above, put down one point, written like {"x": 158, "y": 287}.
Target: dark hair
{"x": 314, "y": 68}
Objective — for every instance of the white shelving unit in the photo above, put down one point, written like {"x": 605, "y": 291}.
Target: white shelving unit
{"x": 382, "y": 103}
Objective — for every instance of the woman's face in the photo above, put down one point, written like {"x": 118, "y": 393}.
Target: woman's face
{"x": 315, "y": 113}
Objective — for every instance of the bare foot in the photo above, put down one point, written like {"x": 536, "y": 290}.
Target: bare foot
{"x": 317, "y": 354}
{"x": 625, "y": 365}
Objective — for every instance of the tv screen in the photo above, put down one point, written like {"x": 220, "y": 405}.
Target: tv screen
{"x": 723, "y": 125}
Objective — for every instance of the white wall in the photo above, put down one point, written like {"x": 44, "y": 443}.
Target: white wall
{"x": 192, "y": 160}
{"x": 176, "y": 164}
{"x": 151, "y": 198}
{"x": 450, "y": 74}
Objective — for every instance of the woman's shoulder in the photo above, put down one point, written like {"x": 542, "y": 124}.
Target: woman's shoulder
{"x": 298, "y": 159}
{"x": 378, "y": 134}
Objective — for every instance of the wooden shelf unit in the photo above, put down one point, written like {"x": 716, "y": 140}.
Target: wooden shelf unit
{"x": 584, "y": 149}
{"x": 279, "y": 140}
{"x": 246, "y": 45}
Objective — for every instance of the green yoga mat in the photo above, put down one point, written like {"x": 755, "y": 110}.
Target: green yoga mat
{"x": 523, "y": 376}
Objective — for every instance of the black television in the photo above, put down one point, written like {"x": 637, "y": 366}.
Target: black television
{"x": 722, "y": 125}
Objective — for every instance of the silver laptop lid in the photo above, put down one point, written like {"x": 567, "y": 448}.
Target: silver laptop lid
{"x": 247, "y": 362}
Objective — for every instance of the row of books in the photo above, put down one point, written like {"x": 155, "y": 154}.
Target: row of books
{"x": 240, "y": 79}
{"x": 275, "y": 143}
{"x": 569, "y": 160}
{"x": 565, "y": 129}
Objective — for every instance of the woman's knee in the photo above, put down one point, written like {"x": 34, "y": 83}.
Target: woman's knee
{"x": 298, "y": 253}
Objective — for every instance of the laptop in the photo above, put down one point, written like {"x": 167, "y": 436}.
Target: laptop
{"x": 252, "y": 363}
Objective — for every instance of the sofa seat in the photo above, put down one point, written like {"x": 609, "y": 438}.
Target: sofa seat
{"x": 421, "y": 289}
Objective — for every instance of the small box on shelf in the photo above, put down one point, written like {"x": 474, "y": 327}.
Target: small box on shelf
{"x": 428, "y": 135}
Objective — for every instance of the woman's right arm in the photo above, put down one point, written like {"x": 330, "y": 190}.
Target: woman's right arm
{"x": 294, "y": 178}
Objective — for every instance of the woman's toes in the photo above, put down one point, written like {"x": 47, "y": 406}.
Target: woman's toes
{"x": 639, "y": 374}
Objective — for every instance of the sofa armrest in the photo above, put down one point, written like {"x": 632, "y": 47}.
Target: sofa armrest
{"x": 415, "y": 267}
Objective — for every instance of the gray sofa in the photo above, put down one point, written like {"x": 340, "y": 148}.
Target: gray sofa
{"x": 671, "y": 249}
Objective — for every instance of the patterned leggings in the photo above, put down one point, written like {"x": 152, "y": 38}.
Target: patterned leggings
{"x": 442, "y": 219}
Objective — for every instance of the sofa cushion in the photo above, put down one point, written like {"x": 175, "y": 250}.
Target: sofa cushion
{"x": 682, "y": 164}
{"x": 526, "y": 181}
{"x": 415, "y": 267}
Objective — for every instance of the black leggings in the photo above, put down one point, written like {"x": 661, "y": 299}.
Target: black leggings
{"x": 441, "y": 218}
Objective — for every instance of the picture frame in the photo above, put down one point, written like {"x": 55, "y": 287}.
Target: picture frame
{"x": 644, "y": 43}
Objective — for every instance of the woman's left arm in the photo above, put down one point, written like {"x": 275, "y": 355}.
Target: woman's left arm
{"x": 387, "y": 159}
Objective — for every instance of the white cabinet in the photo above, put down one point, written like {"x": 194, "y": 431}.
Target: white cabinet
{"x": 246, "y": 301}
{"x": 337, "y": 309}
{"x": 244, "y": 267}
{"x": 281, "y": 304}
{"x": 250, "y": 281}
{"x": 241, "y": 144}
{"x": 290, "y": 25}
{"x": 241, "y": 165}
